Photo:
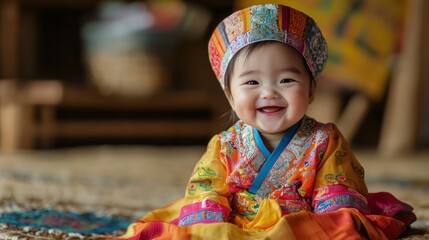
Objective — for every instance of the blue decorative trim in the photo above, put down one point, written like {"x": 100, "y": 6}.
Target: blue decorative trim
{"x": 260, "y": 143}
{"x": 205, "y": 215}
{"x": 273, "y": 156}
{"x": 340, "y": 201}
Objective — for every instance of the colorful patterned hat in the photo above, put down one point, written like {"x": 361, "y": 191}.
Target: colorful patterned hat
{"x": 262, "y": 23}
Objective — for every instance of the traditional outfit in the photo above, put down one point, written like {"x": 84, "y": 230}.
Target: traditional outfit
{"x": 314, "y": 186}
{"x": 309, "y": 187}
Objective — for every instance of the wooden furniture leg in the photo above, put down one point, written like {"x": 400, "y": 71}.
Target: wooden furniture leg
{"x": 9, "y": 113}
{"x": 399, "y": 132}
{"x": 16, "y": 120}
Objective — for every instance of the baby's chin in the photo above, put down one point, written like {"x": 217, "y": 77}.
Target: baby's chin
{"x": 273, "y": 132}
{"x": 273, "y": 129}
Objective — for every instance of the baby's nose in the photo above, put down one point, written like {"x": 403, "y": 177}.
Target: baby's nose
{"x": 269, "y": 92}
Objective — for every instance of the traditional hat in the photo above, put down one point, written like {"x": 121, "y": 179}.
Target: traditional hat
{"x": 264, "y": 23}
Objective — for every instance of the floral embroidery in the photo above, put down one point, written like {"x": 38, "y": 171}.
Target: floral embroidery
{"x": 332, "y": 179}
{"x": 193, "y": 186}
{"x": 358, "y": 170}
{"x": 339, "y": 156}
{"x": 203, "y": 172}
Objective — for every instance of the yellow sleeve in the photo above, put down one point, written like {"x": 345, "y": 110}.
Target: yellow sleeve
{"x": 207, "y": 193}
{"x": 339, "y": 181}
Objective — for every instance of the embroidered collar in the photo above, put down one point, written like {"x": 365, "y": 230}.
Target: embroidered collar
{"x": 271, "y": 157}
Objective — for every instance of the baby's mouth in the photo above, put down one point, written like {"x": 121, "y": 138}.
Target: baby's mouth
{"x": 270, "y": 109}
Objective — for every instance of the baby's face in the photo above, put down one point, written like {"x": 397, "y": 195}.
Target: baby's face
{"x": 270, "y": 88}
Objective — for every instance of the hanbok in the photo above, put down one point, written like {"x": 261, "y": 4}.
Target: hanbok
{"x": 309, "y": 187}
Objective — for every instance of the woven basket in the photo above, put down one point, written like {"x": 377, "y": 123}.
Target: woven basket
{"x": 126, "y": 73}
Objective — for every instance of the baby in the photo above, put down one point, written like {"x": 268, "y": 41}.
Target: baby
{"x": 276, "y": 173}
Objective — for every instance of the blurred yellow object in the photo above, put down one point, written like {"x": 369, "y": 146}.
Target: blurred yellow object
{"x": 363, "y": 38}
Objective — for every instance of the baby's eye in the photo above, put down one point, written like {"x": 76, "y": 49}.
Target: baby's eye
{"x": 252, "y": 82}
{"x": 287, "y": 80}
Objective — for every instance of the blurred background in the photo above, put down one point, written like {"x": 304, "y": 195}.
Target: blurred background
{"x": 101, "y": 101}
{"x": 90, "y": 72}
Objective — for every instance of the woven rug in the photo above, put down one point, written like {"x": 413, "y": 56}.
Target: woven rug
{"x": 35, "y": 219}
{"x": 93, "y": 193}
